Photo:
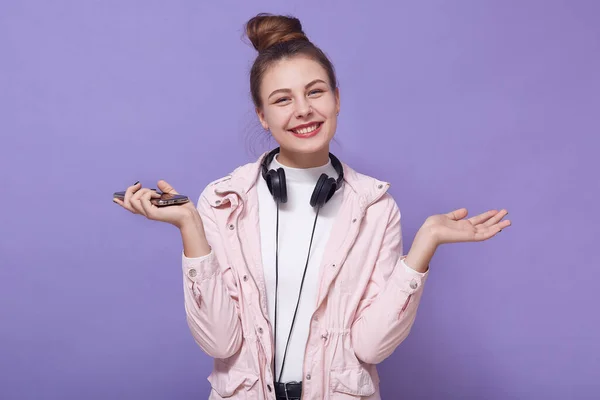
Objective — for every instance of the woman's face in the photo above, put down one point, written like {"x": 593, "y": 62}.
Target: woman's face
{"x": 299, "y": 106}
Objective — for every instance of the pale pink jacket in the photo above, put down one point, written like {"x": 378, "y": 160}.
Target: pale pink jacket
{"x": 366, "y": 303}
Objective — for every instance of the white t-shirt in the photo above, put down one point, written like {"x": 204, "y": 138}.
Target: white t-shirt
{"x": 296, "y": 219}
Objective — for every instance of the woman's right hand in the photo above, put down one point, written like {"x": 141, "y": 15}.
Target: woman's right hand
{"x": 137, "y": 201}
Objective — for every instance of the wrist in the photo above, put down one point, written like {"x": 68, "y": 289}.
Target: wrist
{"x": 422, "y": 250}
{"x": 190, "y": 220}
{"x": 426, "y": 237}
{"x": 427, "y": 233}
{"x": 194, "y": 237}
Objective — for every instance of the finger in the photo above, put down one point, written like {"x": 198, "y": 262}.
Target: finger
{"x": 119, "y": 202}
{"x": 122, "y": 204}
{"x": 129, "y": 192}
{"x": 504, "y": 224}
{"x": 146, "y": 204}
{"x": 484, "y": 233}
{"x": 496, "y": 218}
{"x": 137, "y": 195}
{"x": 481, "y": 218}
{"x": 135, "y": 200}
{"x": 457, "y": 214}
{"x": 146, "y": 193}
{"x": 165, "y": 187}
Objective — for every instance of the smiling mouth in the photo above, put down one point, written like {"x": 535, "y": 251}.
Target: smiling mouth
{"x": 307, "y": 129}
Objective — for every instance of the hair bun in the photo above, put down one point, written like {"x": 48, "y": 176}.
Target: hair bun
{"x": 266, "y": 30}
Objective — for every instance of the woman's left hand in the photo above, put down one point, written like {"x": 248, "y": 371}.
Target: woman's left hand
{"x": 453, "y": 228}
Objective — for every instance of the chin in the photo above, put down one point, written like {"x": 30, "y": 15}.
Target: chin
{"x": 307, "y": 146}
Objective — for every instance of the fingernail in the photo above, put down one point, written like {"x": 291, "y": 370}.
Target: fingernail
{"x": 136, "y": 183}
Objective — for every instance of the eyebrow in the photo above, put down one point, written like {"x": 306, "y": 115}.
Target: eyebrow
{"x": 288, "y": 90}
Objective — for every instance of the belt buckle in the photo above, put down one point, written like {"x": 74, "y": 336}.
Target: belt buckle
{"x": 285, "y": 389}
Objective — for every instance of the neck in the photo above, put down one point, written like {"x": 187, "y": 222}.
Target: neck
{"x": 303, "y": 160}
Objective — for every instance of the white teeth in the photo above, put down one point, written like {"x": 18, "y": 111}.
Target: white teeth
{"x": 304, "y": 131}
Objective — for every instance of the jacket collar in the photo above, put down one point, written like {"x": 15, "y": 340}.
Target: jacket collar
{"x": 245, "y": 177}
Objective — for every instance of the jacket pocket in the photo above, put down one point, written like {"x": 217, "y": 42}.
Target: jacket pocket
{"x": 229, "y": 382}
{"x": 351, "y": 383}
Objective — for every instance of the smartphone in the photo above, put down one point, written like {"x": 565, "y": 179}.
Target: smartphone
{"x": 165, "y": 199}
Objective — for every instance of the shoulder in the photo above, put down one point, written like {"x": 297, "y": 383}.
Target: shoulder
{"x": 385, "y": 208}
{"x": 237, "y": 176}
{"x": 374, "y": 192}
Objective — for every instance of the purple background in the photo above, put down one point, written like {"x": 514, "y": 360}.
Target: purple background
{"x": 481, "y": 104}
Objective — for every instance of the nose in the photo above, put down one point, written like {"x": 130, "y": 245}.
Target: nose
{"x": 303, "y": 109}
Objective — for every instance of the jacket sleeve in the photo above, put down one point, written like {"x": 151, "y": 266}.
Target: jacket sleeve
{"x": 388, "y": 307}
{"x": 211, "y": 295}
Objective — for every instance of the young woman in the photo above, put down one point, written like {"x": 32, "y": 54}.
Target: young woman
{"x": 294, "y": 275}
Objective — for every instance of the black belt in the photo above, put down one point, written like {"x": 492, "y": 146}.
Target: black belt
{"x": 288, "y": 391}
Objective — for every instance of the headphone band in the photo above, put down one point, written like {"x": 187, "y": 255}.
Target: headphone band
{"x": 337, "y": 165}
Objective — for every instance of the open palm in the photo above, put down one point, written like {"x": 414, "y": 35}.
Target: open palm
{"x": 453, "y": 227}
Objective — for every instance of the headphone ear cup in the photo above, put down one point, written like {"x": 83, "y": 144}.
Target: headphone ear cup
{"x": 282, "y": 185}
{"x": 332, "y": 188}
{"x": 276, "y": 183}
{"x": 271, "y": 180}
{"x": 324, "y": 190}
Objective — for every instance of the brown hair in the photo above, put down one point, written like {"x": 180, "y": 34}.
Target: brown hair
{"x": 277, "y": 37}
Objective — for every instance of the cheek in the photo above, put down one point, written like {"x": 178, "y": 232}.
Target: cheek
{"x": 325, "y": 106}
{"x": 277, "y": 117}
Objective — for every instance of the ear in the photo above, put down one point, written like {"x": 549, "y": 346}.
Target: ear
{"x": 261, "y": 118}
{"x": 337, "y": 99}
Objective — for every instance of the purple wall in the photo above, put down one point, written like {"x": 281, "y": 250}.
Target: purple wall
{"x": 464, "y": 103}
